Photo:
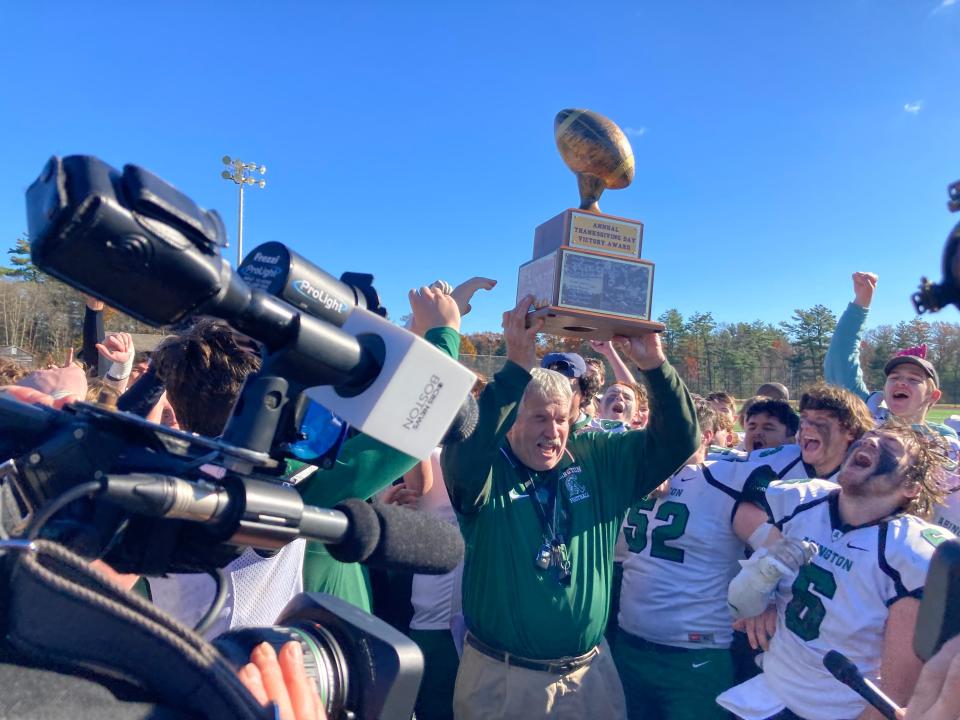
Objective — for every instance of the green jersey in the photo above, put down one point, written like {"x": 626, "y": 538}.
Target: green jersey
{"x": 508, "y": 601}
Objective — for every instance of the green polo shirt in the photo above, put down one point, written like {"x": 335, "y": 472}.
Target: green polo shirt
{"x": 510, "y": 604}
{"x": 365, "y": 467}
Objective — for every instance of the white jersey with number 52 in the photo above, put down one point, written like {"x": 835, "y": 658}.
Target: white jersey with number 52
{"x": 682, "y": 555}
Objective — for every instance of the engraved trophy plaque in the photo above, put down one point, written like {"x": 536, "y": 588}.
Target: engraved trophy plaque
{"x": 586, "y": 276}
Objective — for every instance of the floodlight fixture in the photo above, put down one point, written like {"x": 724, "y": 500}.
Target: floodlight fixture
{"x": 243, "y": 174}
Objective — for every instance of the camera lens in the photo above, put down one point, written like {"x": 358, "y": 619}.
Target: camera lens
{"x": 323, "y": 657}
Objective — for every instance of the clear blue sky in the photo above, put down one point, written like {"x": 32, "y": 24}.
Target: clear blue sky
{"x": 779, "y": 145}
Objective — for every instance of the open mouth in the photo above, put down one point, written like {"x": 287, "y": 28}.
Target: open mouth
{"x": 757, "y": 445}
{"x": 618, "y": 408}
{"x": 901, "y": 395}
{"x": 810, "y": 444}
{"x": 862, "y": 460}
{"x": 548, "y": 447}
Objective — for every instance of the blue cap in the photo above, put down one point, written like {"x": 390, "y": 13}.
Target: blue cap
{"x": 569, "y": 364}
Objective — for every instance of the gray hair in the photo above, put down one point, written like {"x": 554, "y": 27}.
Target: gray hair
{"x": 548, "y": 385}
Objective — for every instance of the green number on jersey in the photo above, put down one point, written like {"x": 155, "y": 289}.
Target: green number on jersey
{"x": 636, "y": 528}
{"x": 678, "y": 514}
{"x": 638, "y": 523}
{"x": 805, "y": 612}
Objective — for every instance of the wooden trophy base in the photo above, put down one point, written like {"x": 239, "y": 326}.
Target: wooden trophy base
{"x": 591, "y": 325}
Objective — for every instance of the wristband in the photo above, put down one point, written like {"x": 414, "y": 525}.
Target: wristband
{"x": 120, "y": 371}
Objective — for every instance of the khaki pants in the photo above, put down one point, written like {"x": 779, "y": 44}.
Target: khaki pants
{"x": 487, "y": 688}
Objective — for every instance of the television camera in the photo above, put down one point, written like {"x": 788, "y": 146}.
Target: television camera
{"x": 86, "y": 482}
{"x": 932, "y": 297}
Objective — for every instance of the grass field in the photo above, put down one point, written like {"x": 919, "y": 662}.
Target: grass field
{"x": 940, "y": 412}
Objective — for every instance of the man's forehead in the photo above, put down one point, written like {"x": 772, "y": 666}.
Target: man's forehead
{"x": 819, "y": 415}
{"x": 909, "y": 370}
{"x": 763, "y": 417}
{"x": 539, "y": 403}
{"x": 889, "y": 438}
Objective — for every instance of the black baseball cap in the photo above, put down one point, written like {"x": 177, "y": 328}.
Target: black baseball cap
{"x": 920, "y": 362}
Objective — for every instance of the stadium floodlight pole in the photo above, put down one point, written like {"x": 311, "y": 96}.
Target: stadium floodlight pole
{"x": 242, "y": 174}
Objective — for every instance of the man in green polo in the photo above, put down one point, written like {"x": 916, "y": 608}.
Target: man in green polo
{"x": 540, "y": 512}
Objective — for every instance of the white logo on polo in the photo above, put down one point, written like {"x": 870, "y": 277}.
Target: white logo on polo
{"x": 698, "y": 665}
{"x": 514, "y": 495}
{"x": 575, "y": 489}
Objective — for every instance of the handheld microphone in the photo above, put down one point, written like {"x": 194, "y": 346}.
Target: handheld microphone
{"x": 846, "y": 672}
{"x": 267, "y": 516}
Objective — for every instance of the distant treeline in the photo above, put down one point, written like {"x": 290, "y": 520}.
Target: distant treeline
{"x": 45, "y": 318}
{"x": 738, "y": 357}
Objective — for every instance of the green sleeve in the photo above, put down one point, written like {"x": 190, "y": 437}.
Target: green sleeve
{"x": 467, "y": 465}
{"x": 672, "y": 434}
{"x": 841, "y": 365}
{"x": 366, "y": 466}
{"x": 445, "y": 339}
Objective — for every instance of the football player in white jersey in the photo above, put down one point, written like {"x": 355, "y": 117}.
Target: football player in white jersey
{"x": 859, "y": 592}
{"x": 831, "y": 418}
{"x": 616, "y": 409}
{"x": 672, "y": 647}
{"x": 769, "y": 423}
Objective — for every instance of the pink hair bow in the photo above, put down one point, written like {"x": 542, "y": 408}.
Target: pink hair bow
{"x": 918, "y": 350}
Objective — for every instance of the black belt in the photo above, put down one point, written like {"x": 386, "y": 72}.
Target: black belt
{"x": 640, "y": 644}
{"x": 560, "y": 666}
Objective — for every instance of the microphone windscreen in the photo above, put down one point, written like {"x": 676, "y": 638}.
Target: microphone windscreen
{"x": 415, "y": 542}
{"x": 464, "y": 422}
{"x": 363, "y": 532}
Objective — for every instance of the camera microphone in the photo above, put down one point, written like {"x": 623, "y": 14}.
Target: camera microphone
{"x": 267, "y": 516}
{"x": 841, "y": 667}
{"x": 389, "y": 536}
{"x": 463, "y": 423}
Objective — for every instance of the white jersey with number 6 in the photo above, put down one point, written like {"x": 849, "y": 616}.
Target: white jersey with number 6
{"x": 841, "y": 599}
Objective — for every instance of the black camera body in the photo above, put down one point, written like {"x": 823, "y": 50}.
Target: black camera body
{"x": 932, "y": 297}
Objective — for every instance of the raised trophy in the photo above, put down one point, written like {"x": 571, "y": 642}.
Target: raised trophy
{"x": 586, "y": 276}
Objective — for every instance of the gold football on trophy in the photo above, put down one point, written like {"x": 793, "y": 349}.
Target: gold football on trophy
{"x": 596, "y": 150}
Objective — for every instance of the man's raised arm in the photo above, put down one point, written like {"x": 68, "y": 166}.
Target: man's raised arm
{"x": 466, "y": 465}
{"x": 841, "y": 365}
{"x": 673, "y": 434}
